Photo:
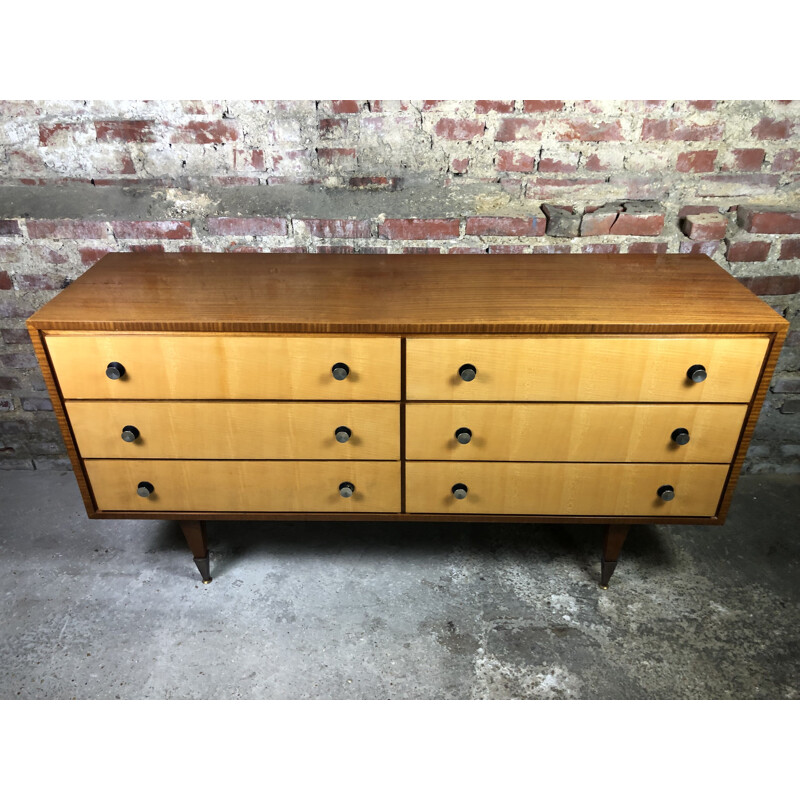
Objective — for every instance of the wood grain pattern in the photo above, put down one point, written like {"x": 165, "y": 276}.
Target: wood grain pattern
{"x": 243, "y": 430}
{"x": 162, "y": 367}
{"x": 586, "y": 369}
{"x": 405, "y": 294}
{"x": 241, "y": 486}
{"x": 569, "y": 489}
{"x": 572, "y": 432}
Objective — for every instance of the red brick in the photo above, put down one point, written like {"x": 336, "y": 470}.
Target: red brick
{"x": 128, "y": 130}
{"x": 768, "y": 128}
{"x": 747, "y": 251}
{"x": 459, "y": 166}
{"x": 513, "y": 129}
{"x": 786, "y": 160}
{"x": 551, "y": 249}
{"x": 199, "y": 132}
{"x": 460, "y": 130}
{"x": 9, "y": 227}
{"x": 501, "y": 106}
{"x": 557, "y": 165}
{"x": 66, "y": 229}
{"x": 422, "y": 250}
{"x": 594, "y": 164}
{"x": 703, "y": 105}
{"x": 647, "y": 247}
{"x": 161, "y": 229}
{"x": 587, "y": 131}
{"x": 599, "y": 221}
{"x": 532, "y": 106}
{"x": 242, "y": 248}
{"x": 429, "y": 105}
{"x": 696, "y": 161}
{"x": 346, "y": 106}
{"x": 330, "y": 128}
{"x": 50, "y": 256}
{"x": 331, "y": 154}
{"x": 686, "y": 210}
{"x": 600, "y": 248}
{"x": 373, "y": 250}
{"x": 418, "y": 229}
{"x": 638, "y": 224}
{"x": 790, "y": 248}
{"x": 506, "y": 226}
{"x": 335, "y": 248}
{"x": 146, "y": 248}
{"x": 507, "y": 249}
{"x": 755, "y": 220}
{"x": 338, "y": 228}
{"x": 466, "y": 250}
{"x": 772, "y": 284}
{"x": 679, "y": 130}
{"x": 49, "y": 132}
{"x": 704, "y": 227}
{"x": 40, "y": 281}
{"x": 377, "y": 106}
{"x": 697, "y": 248}
{"x": 5, "y": 280}
{"x": 748, "y": 159}
{"x": 247, "y": 226}
{"x": 511, "y": 161}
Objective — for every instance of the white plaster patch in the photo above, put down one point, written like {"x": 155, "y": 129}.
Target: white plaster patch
{"x": 501, "y": 680}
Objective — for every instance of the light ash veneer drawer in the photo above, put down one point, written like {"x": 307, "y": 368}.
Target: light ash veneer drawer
{"x": 194, "y": 367}
{"x": 584, "y": 368}
{"x": 240, "y": 486}
{"x": 235, "y": 430}
{"x": 573, "y": 432}
{"x": 564, "y": 489}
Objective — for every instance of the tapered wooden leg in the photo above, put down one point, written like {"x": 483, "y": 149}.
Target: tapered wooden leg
{"x": 612, "y": 545}
{"x": 195, "y": 533}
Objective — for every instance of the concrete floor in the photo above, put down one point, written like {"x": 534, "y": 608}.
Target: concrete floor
{"x": 108, "y": 609}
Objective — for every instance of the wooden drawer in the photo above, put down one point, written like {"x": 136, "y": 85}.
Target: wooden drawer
{"x": 568, "y": 489}
{"x": 235, "y": 430}
{"x": 225, "y": 367}
{"x": 240, "y": 486}
{"x": 582, "y": 368}
{"x": 572, "y": 431}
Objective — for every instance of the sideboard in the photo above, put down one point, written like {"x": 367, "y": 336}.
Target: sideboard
{"x": 604, "y": 389}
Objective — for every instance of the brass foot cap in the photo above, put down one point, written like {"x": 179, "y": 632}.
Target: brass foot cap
{"x": 603, "y": 587}
{"x": 208, "y": 581}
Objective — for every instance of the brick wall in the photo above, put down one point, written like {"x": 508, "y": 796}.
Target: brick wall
{"x": 82, "y": 178}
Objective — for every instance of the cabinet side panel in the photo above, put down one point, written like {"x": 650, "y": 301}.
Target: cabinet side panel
{"x": 51, "y": 382}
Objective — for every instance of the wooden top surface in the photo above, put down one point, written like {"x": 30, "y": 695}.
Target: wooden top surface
{"x": 407, "y": 294}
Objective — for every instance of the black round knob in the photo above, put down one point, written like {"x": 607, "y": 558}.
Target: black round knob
{"x": 459, "y": 491}
{"x": 697, "y": 373}
{"x": 144, "y": 489}
{"x": 130, "y": 434}
{"x": 340, "y": 371}
{"x": 680, "y": 436}
{"x": 666, "y": 492}
{"x": 467, "y": 372}
{"x": 464, "y": 435}
{"x": 115, "y": 370}
{"x": 342, "y": 433}
{"x": 346, "y": 489}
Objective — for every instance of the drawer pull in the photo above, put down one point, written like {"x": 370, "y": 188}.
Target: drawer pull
{"x": 464, "y": 435}
{"x": 130, "y": 433}
{"x": 342, "y": 433}
{"x": 340, "y": 371}
{"x": 115, "y": 370}
{"x": 666, "y": 492}
{"x": 697, "y": 373}
{"x": 680, "y": 436}
{"x": 346, "y": 489}
{"x": 467, "y": 372}
{"x": 144, "y": 489}
{"x": 459, "y": 491}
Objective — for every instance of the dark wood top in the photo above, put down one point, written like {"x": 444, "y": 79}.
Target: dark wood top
{"x": 407, "y": 294}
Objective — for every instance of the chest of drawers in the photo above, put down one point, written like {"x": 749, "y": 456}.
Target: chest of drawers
{"x": 598, "y": 389}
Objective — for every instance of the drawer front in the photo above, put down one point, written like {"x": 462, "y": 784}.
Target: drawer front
{"x": 226, "y": 367}
{"x": 585, "y": 369}
{"x": 302, "y": 486}
{"x": 572, "y": 432}
{"x": 564, "y": 489}
{"x": 235, "y": 430}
